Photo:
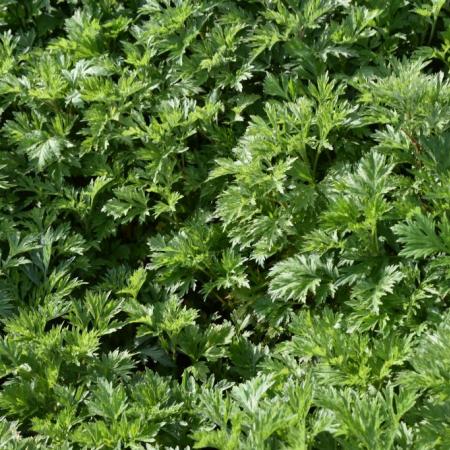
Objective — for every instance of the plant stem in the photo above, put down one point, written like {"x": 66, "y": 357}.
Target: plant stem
{"x": 433, "y": 30}
{"x": 316, "y": 160}
{"x": 375, "y": 238}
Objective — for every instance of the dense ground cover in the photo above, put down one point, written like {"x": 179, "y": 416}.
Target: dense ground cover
{"x": 224, "y": 224}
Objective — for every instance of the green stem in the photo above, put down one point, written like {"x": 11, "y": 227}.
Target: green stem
{"x": 433, "y": 29}
{"x": 316, "y": 160}
{"x": 375, "y": 238}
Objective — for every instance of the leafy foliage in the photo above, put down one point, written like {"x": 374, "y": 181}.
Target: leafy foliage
{"x": 224, "y": 224}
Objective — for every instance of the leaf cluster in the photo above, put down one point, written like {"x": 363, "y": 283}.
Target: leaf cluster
{"x": 224, "y": 224}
